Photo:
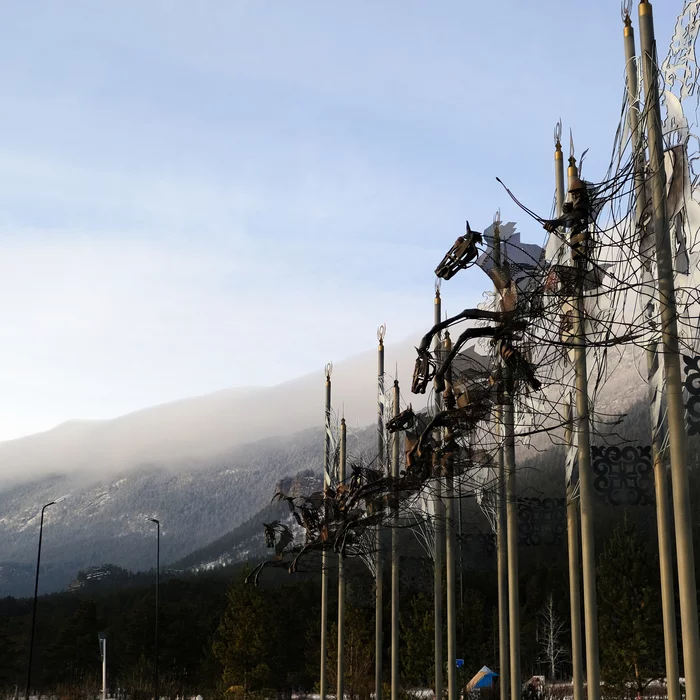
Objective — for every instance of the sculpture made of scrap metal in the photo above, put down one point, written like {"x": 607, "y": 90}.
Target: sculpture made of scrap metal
{"x": 278, "y": 537}
{"x": 405, "y": 420}
{"x": 576, "y": 217}
{"x": 426, "y": 367}
{"x": 460, "y": 256}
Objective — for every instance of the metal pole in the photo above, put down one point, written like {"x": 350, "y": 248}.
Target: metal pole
{"x": 324, "y": 554}
{"x": 438, "y": 553}
{"x": 155, "y": 670}
{"x": 574, "y": 550}
{"x": 512, "y": 530}
{"x": 511, "y": 513}
{"x": 572, "y": 516}
{"x": 502, "y": 530}
{"x": 669, "y": 343}
{"x": 340, "y": 692}
{"x": 104, "y": 668}
{"x": 590, "y": 599}
{"x": 663, "y": 527}
{"x": 395, "y": 558}
{"x": 450, "y": 543}
{"x": 36, "y": 593}
{"x": 502, "y": 554}
{"x": 379, "y": 564}
{"x": 663, "y": 516}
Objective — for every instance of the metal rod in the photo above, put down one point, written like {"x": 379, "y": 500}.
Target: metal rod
{"x": 511, "y": 499}
{"x": 155, "y": 665}
{"x": 103, "y": 649}
{"x": 512, "y": 530}
{"x": 450, "y": 546}
{"x": 439, "y": 527}
{"x": 582, "y": 426}
{"x": 395, "y": 677}
{"x": 574, "y": 551}
{"x": 502, "y": 526}
{"x": 340, "y": 691}
{"x": 324, "y": 554}
{"x": 461, "y": 556}
{"x": 36, "y": 593}
{"x": 379, "y": 565}
{"x": 572, "y": 515}
{"x": 672, "y": 371}
{"x": 502, "y": 559}
{"x": 663, "y": 516}
{"x": 663, "y": 528}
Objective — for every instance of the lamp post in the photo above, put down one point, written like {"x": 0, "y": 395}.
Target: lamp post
{"x": 155, "y": 672}
{"x": 36, "y": 592}
{"x": 102, "y": 637}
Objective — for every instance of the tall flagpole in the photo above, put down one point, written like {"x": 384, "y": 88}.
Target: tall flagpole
{"x": 572, "y": 517}
{"x": 439, "y": 525}
{"x": 395, "y": 556}
{"x": 340, "y": 691}
{"x": 450, "y": 539}
{"x": 379, "y": 564}
{"x": 574, "y": 550}
{"x": 502, "y": 560}
{"x": 324, "y": 555}
{"x": 670, "y": 349}
{"x": 663, "y": 517}
{"x": 582, "y": 425}
{"x": 508, "y": 424}
{"x": 501, "y": 528}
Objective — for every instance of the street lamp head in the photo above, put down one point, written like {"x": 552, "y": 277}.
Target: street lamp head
{"x": 154, "y": 520}
{"x": 58, "y": 500}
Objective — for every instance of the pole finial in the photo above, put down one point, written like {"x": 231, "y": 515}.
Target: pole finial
{"x": 328, "y": 370}
{"x": 625, "y": 11}
{"x": 438, "y": 282}
{"x": 381, "y": 332}
{"x": 572, "y": 150}
{"x": 557, "y": 135}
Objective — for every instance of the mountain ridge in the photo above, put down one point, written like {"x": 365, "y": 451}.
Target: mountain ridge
{"x": 202, "y": 429}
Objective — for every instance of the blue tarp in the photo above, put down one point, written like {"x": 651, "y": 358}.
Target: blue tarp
{"x": 484, "y": 679}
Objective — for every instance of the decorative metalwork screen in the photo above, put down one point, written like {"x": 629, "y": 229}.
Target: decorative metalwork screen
{"x": 623, "y": 475}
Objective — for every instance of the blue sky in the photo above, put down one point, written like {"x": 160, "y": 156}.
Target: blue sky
{"x": 202, "y": 195}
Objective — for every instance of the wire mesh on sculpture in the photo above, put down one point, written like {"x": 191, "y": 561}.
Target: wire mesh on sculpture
{"x": 518, "y": 345}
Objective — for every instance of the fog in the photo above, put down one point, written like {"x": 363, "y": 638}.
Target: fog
{"x": 194, "y": 431}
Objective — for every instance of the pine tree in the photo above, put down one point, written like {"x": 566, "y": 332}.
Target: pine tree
{"x": 75, "y": 656}
{"x": 359, "y": 654}
{"x": 629, "y": 615}
{"x": 472, "y": 622}
{"x": 10, "y": 661}
{"x": 417, "y": 641}
{"x": 244, "y": 638}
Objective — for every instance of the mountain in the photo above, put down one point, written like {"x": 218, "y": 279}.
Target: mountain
{"x": 200, "y": 431}
{"x": 202, "y": 466}
{"x": 106, "y": 521}
{"x": 205, "y": 467}
{"x": 246, "y": 542}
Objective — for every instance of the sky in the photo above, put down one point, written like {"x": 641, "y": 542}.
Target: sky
{"x": 195, "y": 196}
